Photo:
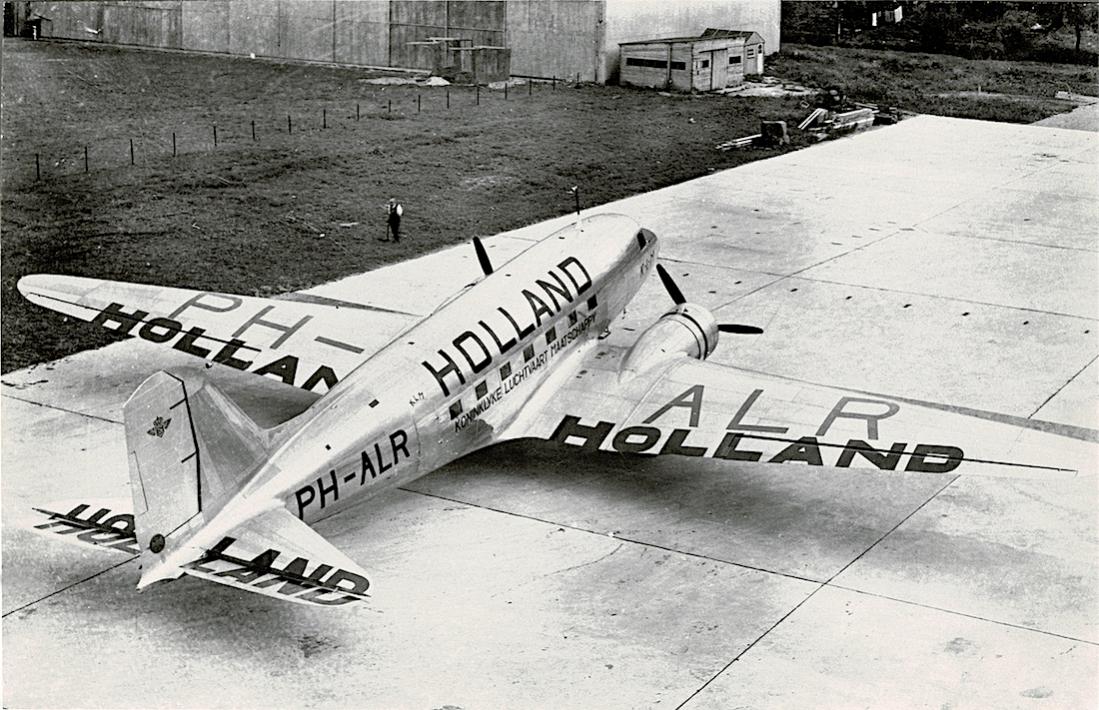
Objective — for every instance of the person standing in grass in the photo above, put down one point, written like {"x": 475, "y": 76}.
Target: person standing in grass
{"x": 394, "y": 210}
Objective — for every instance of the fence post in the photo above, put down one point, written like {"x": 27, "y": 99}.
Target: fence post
{"x": 356, "y": 112}
{"x": 530, "y": 84}
{"x": 555, "y": 82}
{"x": 215, "y": 136}
{"x": 131, "y": 151}
{"x": 253, "y": 129}
{"x": 85, "y": 158}
{"x": 289, "y": 126}
{"x": 418, "y": 97}
{"x": 577, "y": 77}
{"x": 448, "y": 97}
{"x": 37, "y": 168}
{"x": 478, "y": 94}
{"x": 173, "y": 144}
{"x": 505, "y": 89}
{"x": 389, "y": 105}
{"x": 324, "y": 118}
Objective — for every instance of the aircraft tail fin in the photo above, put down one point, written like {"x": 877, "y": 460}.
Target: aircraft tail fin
{"x": 189, "y": 447}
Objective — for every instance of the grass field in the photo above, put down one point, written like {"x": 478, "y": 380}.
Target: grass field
{"x": 990, "y": 90}
{"x": 264, "y": 216}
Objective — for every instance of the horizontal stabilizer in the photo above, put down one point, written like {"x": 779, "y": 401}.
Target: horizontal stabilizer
{"x": 106, "y": 524}
{"x": 278, "y": 555}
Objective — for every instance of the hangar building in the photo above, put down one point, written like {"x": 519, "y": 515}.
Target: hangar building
{"x": 562, "y": 38}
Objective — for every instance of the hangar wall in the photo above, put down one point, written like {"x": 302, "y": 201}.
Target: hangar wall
{"x": 563, "y": 38}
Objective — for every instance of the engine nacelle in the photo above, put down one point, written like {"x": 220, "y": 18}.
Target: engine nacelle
{"x": 689, "y": 330}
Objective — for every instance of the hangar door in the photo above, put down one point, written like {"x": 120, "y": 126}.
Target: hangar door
{"x": 479, "y": 22}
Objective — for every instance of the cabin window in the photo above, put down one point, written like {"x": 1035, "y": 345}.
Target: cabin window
{"x": 750, "y": 53}
{"x": 680, "y": 66}
{"x": 705, "y": 63}
{"x": 734, "y": 59}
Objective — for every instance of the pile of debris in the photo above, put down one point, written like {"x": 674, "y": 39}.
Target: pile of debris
{"x": 834, "y": 115}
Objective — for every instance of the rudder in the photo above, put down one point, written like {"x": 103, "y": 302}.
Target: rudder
{"x": 190, "y": 448}
{"x": 164, "y": 460}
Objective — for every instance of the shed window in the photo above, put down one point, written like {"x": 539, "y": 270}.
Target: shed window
{"x": 679, "y": 65}
{"x": 705, "y": 63}
{"x": 734, "y": 59}
{"x": 651, "y": 63}
{"x": 751, "y": 52}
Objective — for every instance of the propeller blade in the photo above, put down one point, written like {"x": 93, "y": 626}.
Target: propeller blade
{"x": 739, "y": 329}
{"x": 670, "y": 286}
{"x": 482, "y": 256}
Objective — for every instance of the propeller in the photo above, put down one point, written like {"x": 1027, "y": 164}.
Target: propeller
{"x": 679, "y": 299}
{"x": 482, "y": 256}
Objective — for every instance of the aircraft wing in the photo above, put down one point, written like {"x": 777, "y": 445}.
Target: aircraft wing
{"x": 306, "y": 342}
{"x": 694, "y": 408}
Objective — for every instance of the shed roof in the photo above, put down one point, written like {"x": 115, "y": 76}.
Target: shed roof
{"x": 710, "y": 33}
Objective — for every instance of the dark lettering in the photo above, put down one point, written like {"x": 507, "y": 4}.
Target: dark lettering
{"x": 592, "y": 436}
{"x": 187, "y": 343}
{"x": 114, "y": 314}
{"x": 225, "y": 355}
{"x": 883, "y": 460}
{"x": 467, "y": 336}
{"x": 572, "y": 261}
{"x": 522, "y": 333}
{"x": 285, "y": 368}
{"x": 871, "y": 419}
{"x": 368, "y": 466}
{"x": 537, "y": 307}
{"x": 649, "y": 436}
{"x": 728, "y": 450}
{"x": 303, "y": 499}
{"x": 334, "y": 489}
{"x": 260, "y": 565}
{"x": 382, "y": 465}
{"x": 450, "y": 367}
{"x": 554, "y": 290}
{"x": 324, "y": 374}
{"x": 674, "y": 445}
{"x": 735, "y": 422}
{"x": 503, "y": 347}
{"x": 398, "y": 441}
{"x": 286, "y": 330}
{"x": 804, "y": 449}
{"x": 170, "y": 330}
{"x": 918, "y": 462}
{"x": 198, "y": 301}
{"x": 691, "y": 398}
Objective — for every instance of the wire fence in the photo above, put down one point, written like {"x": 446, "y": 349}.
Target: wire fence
{"x": 147, "y": 148}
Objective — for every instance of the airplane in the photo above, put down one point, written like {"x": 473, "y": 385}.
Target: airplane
{"x": 519, "y": 354}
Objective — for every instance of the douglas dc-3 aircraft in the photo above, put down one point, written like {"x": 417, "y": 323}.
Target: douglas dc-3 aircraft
{"x": 516, "y": 355}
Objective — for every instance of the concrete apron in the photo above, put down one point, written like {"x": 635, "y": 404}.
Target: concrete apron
{"x": 940, "y": 259}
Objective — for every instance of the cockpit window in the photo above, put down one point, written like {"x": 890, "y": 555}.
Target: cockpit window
{"x": 641, "y": 241}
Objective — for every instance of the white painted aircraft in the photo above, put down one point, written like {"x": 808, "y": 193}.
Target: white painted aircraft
{"x": 516, "y": 355}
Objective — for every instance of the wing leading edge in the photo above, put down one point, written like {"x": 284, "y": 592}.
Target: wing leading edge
{"x": 696, "y": 408}
{"x": 303, "y": 343}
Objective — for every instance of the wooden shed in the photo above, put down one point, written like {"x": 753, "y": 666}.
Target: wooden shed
{"x": 711, "y": 61}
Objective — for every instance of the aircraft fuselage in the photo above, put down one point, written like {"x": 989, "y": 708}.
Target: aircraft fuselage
{"x": 443, "y": 388}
